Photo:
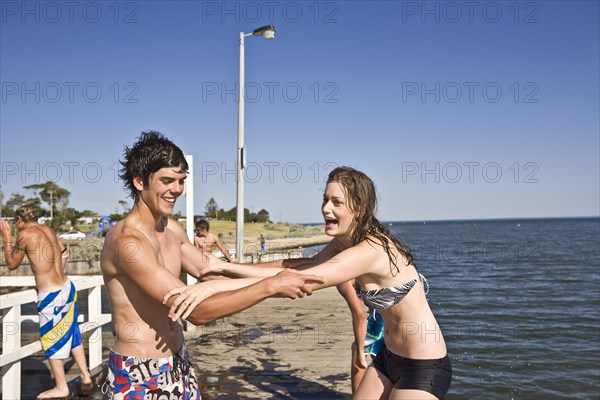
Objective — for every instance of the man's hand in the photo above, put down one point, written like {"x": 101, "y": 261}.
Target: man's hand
{"x": 292, "y": 284}
{"x": 5, "y": 231}
{"x": 360, "y": 359}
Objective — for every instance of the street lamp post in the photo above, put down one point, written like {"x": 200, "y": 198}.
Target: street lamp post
{"x": 268, "y": 32}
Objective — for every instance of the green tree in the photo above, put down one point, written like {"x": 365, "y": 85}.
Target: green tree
{"x": 125, "y": 206}
{"x": 69, "y": 214}
{"x": 212, "y": 209}
{"x": 52, "y": 194}
{"x": 15, "y": 201}
{"x": 88, "y": 213}
{"x": 262, "y": 216}
{"x": 116, "y": 216}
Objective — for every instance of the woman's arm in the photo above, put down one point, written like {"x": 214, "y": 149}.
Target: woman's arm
{"x": 351, "y": 263}
{"x": 274, "y": 267}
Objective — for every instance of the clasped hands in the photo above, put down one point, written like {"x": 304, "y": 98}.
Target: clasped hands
{"x": 287, "y": 283}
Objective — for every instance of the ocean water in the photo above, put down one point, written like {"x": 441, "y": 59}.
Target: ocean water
{"x": 518, "y": 302}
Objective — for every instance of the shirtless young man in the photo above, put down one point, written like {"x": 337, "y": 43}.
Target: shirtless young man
{"x": 57, "y": 298}
{"x": 142, "y": 258}
{"x": 206, "y": 240}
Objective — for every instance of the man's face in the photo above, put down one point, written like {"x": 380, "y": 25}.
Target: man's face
{"x": 163, "y": 189}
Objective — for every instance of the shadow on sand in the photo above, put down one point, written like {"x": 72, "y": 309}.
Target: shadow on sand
{"x": 272, "y": 380}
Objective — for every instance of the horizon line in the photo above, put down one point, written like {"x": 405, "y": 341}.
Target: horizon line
{"x": 473, "y": 219}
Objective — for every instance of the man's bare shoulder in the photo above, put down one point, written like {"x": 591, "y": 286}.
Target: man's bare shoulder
{"x": 30, "y": 236}
{"x": 121, "y": 244}
{"x": 175, "y": 228}
{"x": 122, "y": 232}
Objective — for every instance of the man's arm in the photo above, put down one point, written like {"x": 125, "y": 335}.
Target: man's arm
{"x": 207, "y": 307}
{"x": 64, "y": 253}
{"x": 12, "y": 254}
{"x": 194, "y": 261}
{"x": 223, "y": 249}
{"x": 223, "y": 304}
{"x": 134, "y": 256}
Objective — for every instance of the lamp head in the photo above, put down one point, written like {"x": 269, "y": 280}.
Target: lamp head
{"x": 267, "y": 31}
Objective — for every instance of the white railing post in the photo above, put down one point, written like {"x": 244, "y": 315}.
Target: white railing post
{"x": 11, "y": 332}
{"x": 189, "y": 220}
{"x": 95, "y": 335}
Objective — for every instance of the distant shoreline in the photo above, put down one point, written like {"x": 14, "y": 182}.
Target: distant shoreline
{"x": 511, "y": 219}
{"x": 420, "y": 221}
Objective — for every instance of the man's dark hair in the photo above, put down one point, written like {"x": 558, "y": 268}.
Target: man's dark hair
{"x": 151, "y": 152}
{"x": 202, "y": 225}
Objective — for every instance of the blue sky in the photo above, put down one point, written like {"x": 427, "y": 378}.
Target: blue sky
{"x": 457, "y": 110}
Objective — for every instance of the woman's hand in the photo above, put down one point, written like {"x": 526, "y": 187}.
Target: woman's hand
{"x": 189, "y": 298}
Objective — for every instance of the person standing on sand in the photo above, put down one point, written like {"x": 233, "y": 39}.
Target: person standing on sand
{"x": 368, "y": 333}
{"x": 206, "y": 240}
{"x": 414, "y": 362}
{"x": 141, "y": 260}
{"x": 57, "y": 297}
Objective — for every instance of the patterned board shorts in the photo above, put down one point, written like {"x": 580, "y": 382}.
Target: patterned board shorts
{"x": 135, "y": 378}
{"x": 374, "y": 339}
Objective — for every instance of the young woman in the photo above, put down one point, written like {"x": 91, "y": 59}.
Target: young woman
{"x": 413, "y": 363}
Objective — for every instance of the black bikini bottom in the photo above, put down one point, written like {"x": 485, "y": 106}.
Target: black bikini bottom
{"x": 432, "y": 376}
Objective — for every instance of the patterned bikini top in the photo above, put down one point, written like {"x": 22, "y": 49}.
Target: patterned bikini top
{"x": 381, "y": 299}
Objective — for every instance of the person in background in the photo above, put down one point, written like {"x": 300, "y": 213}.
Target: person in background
{"x": 368, "y": 333}
{"x": 206, "y": 240}
{"x": 57, "y": 298}
{"x": 262, "y": 243}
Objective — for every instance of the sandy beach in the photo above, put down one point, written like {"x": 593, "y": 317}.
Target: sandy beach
{"x": 281, "y": 348}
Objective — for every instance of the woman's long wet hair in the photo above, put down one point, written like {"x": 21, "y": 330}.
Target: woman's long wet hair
{"x": 362, "y": 199}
